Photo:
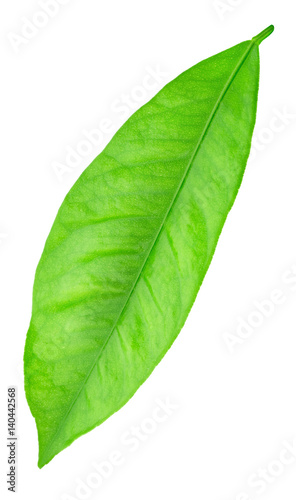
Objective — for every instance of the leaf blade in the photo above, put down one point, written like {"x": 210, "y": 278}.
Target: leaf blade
{"x": 138, "y": 195}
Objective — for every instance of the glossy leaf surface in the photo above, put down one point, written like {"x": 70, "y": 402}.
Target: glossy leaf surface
{"x": 131, "y": 244}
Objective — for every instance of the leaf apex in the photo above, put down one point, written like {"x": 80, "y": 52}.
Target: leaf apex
{"x": 41, "y": 462}
{"x": 264, "y": 34}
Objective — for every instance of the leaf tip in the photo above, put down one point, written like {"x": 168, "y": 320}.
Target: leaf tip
{"x": 264, "y": 34}
{"x": 40, "y": 462}
{"x": 43, "y": 458}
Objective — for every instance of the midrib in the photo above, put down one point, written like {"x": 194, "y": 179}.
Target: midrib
{"x": 204, "y": 132}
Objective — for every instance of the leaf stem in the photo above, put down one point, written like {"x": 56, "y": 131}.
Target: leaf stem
{"x": 264, "y": 34}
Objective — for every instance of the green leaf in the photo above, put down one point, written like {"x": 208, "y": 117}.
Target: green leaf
{"x": 131, "y": 244}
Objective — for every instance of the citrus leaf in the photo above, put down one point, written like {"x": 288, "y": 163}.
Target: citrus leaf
{"x": 131, "y": 244}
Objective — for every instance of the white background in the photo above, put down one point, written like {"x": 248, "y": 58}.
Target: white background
{"x": 235, "y": 410}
